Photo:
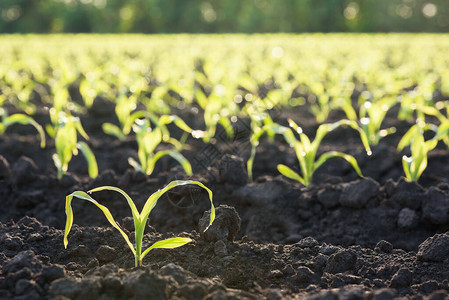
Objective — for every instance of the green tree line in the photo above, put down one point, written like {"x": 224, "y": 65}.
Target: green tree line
{"x": 221, "y": 16}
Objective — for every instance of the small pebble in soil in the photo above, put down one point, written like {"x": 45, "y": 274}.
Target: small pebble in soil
{"x": 435, "y": 206}
{"x": 105, "y": 254}
{"x": 225, "y": 227}
{"x": 402, "y": 278}
{"x": 13, "y": 243}
{"x": 93, "y": 263}
{"x": 52, "y": 272}
{"x": 383, "y": 246}
{"x": 351, "y": 292}
{"x": 407, "y": 219}
{"x": 407, "y": 193}
{"x": 328, "y": 249}
{"x": 220, "y": 248}
{"x": 307, "y": 242}
{"x": 328, "y": 197}
{"x": 341, "y": 261}
{"x": 320, "y": 262}
{"x": 275, "y": 274}
{"x": 435, "y": 248}
{"x": 356, "y": 194}
{"x": 304, "y": 274}
{"x": 81, "y": 251}
{"x": 175, "y": 271}
{"x": 384, "y": 294}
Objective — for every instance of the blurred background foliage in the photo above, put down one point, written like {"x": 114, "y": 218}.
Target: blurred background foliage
{"x": 220, "y": 16}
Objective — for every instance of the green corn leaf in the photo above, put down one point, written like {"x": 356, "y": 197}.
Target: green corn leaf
{"x": 152, "y": 200}
{"x": 58, "y": 164}
{"x": 51, "y": 131}
{"x": 406, "y": 165}
{"x": 80, "y": 128}
{"x": 23, "y": 120}
{"x": 419, "y": 156}
{"x": 167, "y": 244}
{"x": 177, "y": 144}
{"x": 349, "y": 110}
{"x": 90, "y": 158}
{"x": 287, "y": 172}
{"x": 250, "y": 163}
{"x": 128, "y": 123}
{"x": 349, "y": 158}
{"x": 363, "y": 136}
{"x": 114, "y": 130}
{"x": 137, "y": 167}
{"x": 442, "y": 131}
{"x": 321, "y": 132}
{"x": 131, "y": 204}
{"x": 201, "y": 99}
{"x": 167, "y": 119}
{"x": 182, "y": 161}
{"x": 407, "y": 137}
{"x": 174, "y": 154}
{"x": 104, "y": 209}
{"x": 226, "y": 124}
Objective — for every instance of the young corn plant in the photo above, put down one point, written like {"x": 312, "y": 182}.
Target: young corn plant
{"x": 415, "y": 164}
{"x": 305, "y": 150}
{"x": 124, "y": 111}
{"x": 215, "y": 112}
{"x": 371, "y": 116}
{"x": 435, "y": 111}
{"x": 67, "y": 145}
{"x": 149, "y": 138}
{"x": 23, "y": 120}
{"x": 140, "y": 219}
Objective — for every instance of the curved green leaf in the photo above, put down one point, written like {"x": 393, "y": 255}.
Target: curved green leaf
{"x": 114, "y": 130}
{"x": 152, "y": 200}
{"x": 287, "y": 172}
{"x": 349, "y": 158}
{"x": 90, "y": 158}
{"x": 167, "y": 244}
{"x": 104, "y": 209}
{"x": 23, "y": 120}
{"x": 174, "y": 154}
{"x": 131, "y": 204}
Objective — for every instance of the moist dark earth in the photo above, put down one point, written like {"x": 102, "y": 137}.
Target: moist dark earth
{"x": 343, "y": 237}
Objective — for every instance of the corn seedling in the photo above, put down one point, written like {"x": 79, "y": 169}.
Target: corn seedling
{"x": 23, "y": 120}
{"x": 149, "y": 138}
{"x": 124, "y": 111}
{"x": 215, "y": 112}
{"x": 415, "y": 164}
{"x": 67, "y": 145}
{"x": 371, "y": 116}
{"x": 140, "y": 219}
{"x": 305, "y": 149}
{"x": 444, "y": 120}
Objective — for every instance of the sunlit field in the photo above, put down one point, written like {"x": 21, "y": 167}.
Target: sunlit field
{"x": 285, "y": 165}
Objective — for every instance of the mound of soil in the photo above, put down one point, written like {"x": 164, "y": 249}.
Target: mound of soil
{"x": 343, "y": 237}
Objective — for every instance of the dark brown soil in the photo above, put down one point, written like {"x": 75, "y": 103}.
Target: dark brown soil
{"x": 344, "y": 237}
